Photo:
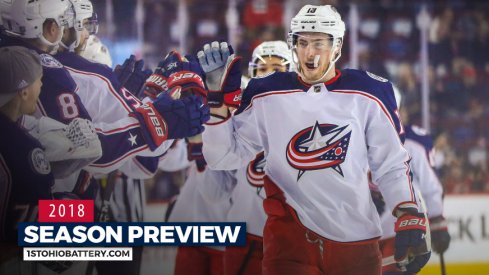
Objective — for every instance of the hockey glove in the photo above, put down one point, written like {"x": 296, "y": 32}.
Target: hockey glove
{"x": 412, "y": 248}
{"x": 440, "y": 238}
{"x": 137, "y": 79}
{"x": 176, "y": 74}
{"x": 166, "y": 118}
{"x": 378, "y": 200}
{"x": 194, "y": 152}
{"x": 223, "y": 74}
{"x": 124, "y": 71}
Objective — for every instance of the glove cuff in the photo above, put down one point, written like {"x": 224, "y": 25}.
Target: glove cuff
{"x": 216, "y": 99}
{"x": 156, "y": 127}
{"x": 194, "y": 153}
{"x": 438, "y": 223}
{"x": 409, "y": 221}
{"x": 157, "y": 82}
{"x": 188, "y": 81}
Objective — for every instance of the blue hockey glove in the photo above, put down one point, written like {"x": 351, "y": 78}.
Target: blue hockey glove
{"x": 135, "y": 83}
{"x": 167, "y": 118}
{"x": 194, "y": 152}
{"x": 223, "y": 74}
{"x": 123, "y": 72}
{"x": 378, "y": 200}
{"x": 412, "y": 247}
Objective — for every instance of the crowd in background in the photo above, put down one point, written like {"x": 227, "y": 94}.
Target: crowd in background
{"x": 389, "y": 45}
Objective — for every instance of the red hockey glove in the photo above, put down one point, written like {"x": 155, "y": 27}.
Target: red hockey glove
{"x": 177, "y": 73}
{"x": 167, "y": 118}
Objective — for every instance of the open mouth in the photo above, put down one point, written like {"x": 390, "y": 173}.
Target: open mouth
{"x": 310, "y": 65}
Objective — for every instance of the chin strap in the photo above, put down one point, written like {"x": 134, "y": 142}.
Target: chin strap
{"x": 53, "y": 46}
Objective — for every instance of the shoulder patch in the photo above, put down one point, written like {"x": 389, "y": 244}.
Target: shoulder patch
{"x": 376, "y": 77}
{"x": 49, "y": 61}
{"x": 39, "y": 163}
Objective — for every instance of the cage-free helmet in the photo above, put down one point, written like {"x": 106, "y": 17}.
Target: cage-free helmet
{"x": 84, "y": 18}
{"x": 277, "y": 48}
{"x": 317, "y": 19}
{"x": 96, "y": 51}
{"x": 25, "y": 18}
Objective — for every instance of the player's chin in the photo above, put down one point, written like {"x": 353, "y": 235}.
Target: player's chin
{"x": 311, "y": 74}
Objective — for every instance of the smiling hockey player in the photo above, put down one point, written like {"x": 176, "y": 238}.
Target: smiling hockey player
{"x": 320, "y": 130}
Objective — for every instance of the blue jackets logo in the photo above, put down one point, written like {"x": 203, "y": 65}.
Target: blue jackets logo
{"x": 318, "y": 147}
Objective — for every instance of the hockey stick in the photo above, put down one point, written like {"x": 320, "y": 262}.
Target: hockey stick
{"x": 442, "y": 265}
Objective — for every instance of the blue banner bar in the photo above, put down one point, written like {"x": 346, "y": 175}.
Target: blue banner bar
{"x": 131, "y": 234}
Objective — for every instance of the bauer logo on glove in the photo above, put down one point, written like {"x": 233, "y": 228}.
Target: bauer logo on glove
{"x": 177, "y": 73}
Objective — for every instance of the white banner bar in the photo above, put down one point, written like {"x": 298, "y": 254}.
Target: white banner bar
{"x": 77, "y": 253}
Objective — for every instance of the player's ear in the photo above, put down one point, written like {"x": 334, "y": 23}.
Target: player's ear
{"x": 23, "y": 94}
{"x": 49, "y": 28}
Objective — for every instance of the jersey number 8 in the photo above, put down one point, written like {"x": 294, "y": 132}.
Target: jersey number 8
{"x": 69, "y": 109}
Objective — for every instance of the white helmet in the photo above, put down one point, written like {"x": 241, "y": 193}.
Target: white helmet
{"x": 25, "y": 18}
{"x": 270, "y": 48}
{"x": 318, "y": 19}
{"x": 82, "y": 10}
{"x": 96, "y": 51}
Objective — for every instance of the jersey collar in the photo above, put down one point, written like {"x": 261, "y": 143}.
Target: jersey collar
{"x": 329, "y": 82}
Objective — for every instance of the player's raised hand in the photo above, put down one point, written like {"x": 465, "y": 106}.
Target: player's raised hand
{"x": 177, "y": 74}
{"x": 124, "y": 71}
{"x": 412, "y": 247}
{"x": 137, "y": 79}
{"x": 223, "y": 74}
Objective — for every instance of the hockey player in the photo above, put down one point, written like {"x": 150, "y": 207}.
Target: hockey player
{"x": 247, "y": 196}
{"x": 420, "y": 147}
{"x": 124, "y": 129}
{"x": 96, "y": 51}
{"x": 320, "y": 130}
{"x": 192, "y": 204}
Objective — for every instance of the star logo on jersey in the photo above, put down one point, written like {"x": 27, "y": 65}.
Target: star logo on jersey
{"x": 132, "y": 139}
{"x": 255, "y": 173}
{"x": 318, "y": 147}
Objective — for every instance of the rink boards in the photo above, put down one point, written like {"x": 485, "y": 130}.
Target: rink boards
{"x": 468, "y": 224}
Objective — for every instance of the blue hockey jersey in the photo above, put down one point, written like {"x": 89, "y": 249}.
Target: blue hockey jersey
{"x": 25, "y": 177}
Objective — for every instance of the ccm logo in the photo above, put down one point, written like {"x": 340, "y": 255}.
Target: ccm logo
{"x": 159, "y": 125}
{"x": 411, "y": 222}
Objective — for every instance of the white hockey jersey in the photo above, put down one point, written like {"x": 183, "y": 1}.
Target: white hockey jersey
{"x": 248, "y": 196}
{"x": 319, "y": 142}
{"x": 420, "y": 146}
{"x": 194, "y": 204}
